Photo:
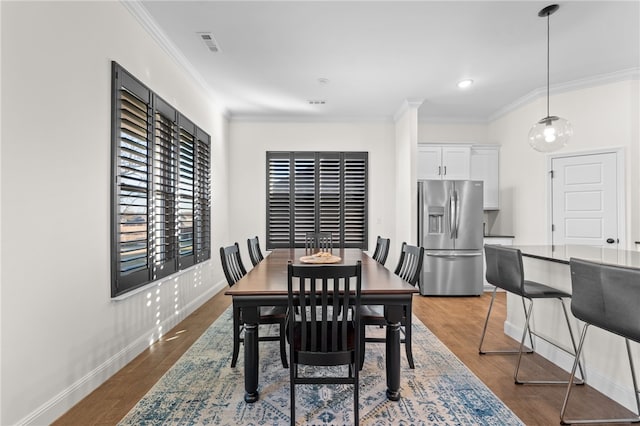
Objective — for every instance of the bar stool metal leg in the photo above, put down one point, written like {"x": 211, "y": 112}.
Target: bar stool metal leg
{"x": 573, "y": 343}
{"x": 565, "y": 421}
{"x": 484, "y": 331}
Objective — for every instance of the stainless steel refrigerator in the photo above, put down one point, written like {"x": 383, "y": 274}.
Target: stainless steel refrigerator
{"x": 450, "y": 230}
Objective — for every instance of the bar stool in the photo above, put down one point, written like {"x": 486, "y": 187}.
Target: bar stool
{"x": 505, "y": 271}
{"x": 607, "y": 297}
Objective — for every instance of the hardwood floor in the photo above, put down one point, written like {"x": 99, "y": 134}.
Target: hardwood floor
{"x": 457, "y": 321}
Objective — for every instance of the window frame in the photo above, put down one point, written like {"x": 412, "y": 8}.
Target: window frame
{"x": 303, "y": 206}
{"x": 151, "y": 153}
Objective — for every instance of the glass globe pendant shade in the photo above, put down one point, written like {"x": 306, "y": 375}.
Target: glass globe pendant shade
{"x": 550, "y": 134}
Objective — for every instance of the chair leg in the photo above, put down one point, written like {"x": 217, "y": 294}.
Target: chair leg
{"x": 236, "y": 336}
{"x": 565, "y": 421}
{"x": 528, "y": 313}
{"x": 362, "y": 344}
{"x": 407, "y": 338}
{"x": 356, "y": 397}
{"x": 283, "y": 346}
{"x": 484, "y": 331}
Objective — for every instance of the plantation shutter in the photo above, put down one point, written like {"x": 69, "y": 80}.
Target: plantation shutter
{"x": 316, "y": 192}
{"x": 203, "y": 198}
{"x": 304, "y": 195}
{"x": 329, "y": 194}
{"x": 164, "y": 191}
{"x": 279, "y": 200}
{"x": 186, "y": 192}
{"x": 132, "y": 163}
{"x": 355, "y": 199}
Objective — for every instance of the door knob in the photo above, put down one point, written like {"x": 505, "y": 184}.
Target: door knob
{"x": 610, "y": 241}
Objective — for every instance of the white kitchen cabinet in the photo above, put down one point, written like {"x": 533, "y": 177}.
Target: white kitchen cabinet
{"x": 501, "y": 240}
{"x": 485, "y": 166}
{"x": 437, "y": 162}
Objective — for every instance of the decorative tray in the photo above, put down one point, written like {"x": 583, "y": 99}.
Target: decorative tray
{"x": 324, "y": 258}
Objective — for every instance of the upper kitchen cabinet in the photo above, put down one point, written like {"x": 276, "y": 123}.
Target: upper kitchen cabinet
{"x": 485, "y": 166}
{"x": 437, "y": 162}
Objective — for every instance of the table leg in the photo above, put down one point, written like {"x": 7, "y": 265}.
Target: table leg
{"x": 393, "y": 315}
{"x": 251, "y": 358}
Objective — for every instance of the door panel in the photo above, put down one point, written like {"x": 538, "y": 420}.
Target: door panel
{"x": 469, "y": 236}
{"x": 584, "y": 199}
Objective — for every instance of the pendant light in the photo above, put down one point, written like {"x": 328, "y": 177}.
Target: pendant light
{"x": 550, "y": 133}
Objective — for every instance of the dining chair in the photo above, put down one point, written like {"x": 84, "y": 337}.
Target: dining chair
{"x": 409, "y": 269}
{"x": 234, "y": 270}
{"x": 505, "y": 271}
{"x": 255, "y": 254}
{"x": 318, "y": 241}
{"x": 320, "y": 335}
{"x": 382, "y": 250}
{"x": 607, "y": 297}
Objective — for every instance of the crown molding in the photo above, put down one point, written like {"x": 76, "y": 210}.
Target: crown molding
{"x": 140, "y": 13}
{"x": 410, "y": 103}
{"x": 244, "y": 118}
{"x": 584, "y": 83}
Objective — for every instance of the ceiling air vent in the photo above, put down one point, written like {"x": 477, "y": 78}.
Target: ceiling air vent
{"x": 317, "y": 102}
{"x": 211, "y": 42}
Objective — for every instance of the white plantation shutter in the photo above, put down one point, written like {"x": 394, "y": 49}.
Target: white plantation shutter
{"x": 316, "y": 192}
{"x": 160, "y": 187}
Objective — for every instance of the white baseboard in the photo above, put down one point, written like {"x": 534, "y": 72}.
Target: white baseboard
{"x": 622, "y": 394}
{"x": 63, "y": 401}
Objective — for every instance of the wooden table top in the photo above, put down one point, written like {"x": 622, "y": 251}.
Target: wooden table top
{"x": 269, "y": 277}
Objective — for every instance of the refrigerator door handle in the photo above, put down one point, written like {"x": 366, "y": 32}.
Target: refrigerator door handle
{"x": 452, "y": 218}
{"x": 449, "y": 254}
{"x": 457, "y": 204}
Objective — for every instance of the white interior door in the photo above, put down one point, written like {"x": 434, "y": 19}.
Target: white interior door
{"x": 585, "y": 205}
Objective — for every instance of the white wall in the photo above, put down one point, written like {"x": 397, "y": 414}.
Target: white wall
{"x": 450, "y": 132}
{"x": 249, "y": 142}
{"x": 602, "y": 116}
{"x": 61, "y": 333}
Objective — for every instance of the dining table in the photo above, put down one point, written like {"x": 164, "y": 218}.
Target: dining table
{"x": 266, "y": 285}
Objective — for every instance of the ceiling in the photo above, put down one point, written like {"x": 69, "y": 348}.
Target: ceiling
{"x": 363, "y": 59}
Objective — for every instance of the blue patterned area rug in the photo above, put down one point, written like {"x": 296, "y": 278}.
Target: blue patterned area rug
{"x": 202, "y": 389}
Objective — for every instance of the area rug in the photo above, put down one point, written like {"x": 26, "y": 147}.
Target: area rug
{"x": 202, "y": 389}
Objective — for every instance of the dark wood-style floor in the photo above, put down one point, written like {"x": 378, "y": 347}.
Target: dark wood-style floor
{"x": 457, "y": 321}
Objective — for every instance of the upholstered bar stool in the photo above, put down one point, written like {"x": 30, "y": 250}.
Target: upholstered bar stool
{"x": 607, "y": 297}
{"x": 505, "y": 271}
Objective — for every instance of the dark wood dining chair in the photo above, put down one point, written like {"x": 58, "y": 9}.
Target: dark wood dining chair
{"x": 234, "y": 270}
{"x": 318, "y": 241}
{"x": 382, "y": 250}
{"x": 505, "y": 271}
{"x": 607, "y": 297}
{"x": 255, "y": 254}
{"x": 409, "y": 269}
{"x": 320, "y": 335}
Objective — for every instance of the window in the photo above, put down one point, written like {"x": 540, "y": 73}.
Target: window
{"x": 316, "y": 192}
{"x": 160, "y": 187}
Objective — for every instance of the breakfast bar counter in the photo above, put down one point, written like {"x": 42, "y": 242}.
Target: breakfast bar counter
{"x": 604, "y": 355}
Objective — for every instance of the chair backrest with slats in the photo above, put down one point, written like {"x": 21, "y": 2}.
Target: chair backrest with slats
{"x": 410, "y": 263}
{"x": 318, "y": 241}
{"x": 606, "y": 296}
{"x": 232, "y": 263}
{"x": 504, "y": 268}
{"x": 253, "y": 245}
{"x": 382, "y": 250}
{"x": 325, "y": 333}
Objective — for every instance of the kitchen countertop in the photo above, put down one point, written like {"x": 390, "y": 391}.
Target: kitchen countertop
{"x": 562, "y": 254}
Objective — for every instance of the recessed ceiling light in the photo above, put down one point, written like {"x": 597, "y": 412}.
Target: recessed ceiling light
{"x": 323, "y": 80}
{"x": 463, "y": 84}
{"x": 317, "y": 101}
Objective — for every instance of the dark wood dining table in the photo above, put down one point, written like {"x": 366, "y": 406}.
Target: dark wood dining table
{"x": 266, "y": 285}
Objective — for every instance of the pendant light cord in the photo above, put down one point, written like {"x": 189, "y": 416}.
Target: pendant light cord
{"x": 548, "y": 44}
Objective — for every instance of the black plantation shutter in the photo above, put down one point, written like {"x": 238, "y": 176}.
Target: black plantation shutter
{"x": 316, "y": 192}
{"x": 203, "y": 198}
{"x": 304, "y": 195}
{"x": 132, "y": 171}
{"x": 279, "y": 200}
{"x": 355, "y": 199}
{"x": 165, "y": 159}
{"x": 186, "y": 192}
{"x": 329, "y": 194}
